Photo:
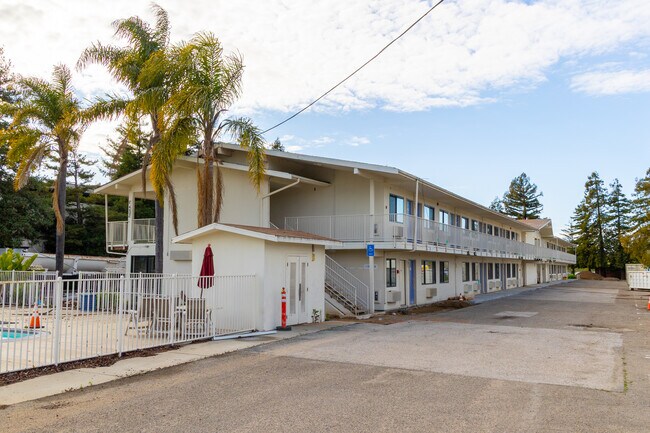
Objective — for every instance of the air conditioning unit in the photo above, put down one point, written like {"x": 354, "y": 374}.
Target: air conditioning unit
{"x": 398, "y": 232}
{"x": 393, "y": 296}
{"x": 432, "y": 292}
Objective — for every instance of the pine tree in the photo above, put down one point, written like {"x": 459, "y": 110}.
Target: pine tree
{"x": 521, "y": 201}
{"x": 81, "y": 178}
{"x": 637, "y": 241}
{"x": 277, "y": 145}
{"x": 589, "y": 224}
{"x": 126, "y": 153}
{"x": 497, "y": 205}
{"x": 619, "y": 209}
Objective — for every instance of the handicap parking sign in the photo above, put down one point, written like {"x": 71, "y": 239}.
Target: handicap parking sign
{"x": 370, "y": 250}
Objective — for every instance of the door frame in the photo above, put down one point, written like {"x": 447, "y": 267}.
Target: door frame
{"x": 302, "y": 289}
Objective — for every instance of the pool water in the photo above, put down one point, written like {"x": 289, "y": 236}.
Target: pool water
{"x": 12, "y": 335}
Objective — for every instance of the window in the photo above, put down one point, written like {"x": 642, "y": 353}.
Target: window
{"x": 507, "y": 236}
{"x": 497, "y": 270}
{"x": 465, "y": 271}
{"x": 444, "y": 272}
{"x": 391, "y": 272}
{"x": 465, "y": 223}
{"x": 444, "y": 217}
{"x": 496, "y": 231}
{"x": 396, "y": 208}
{"x": 489, "y": 229}
{"x": 475, "y": 225}
{"x": 514, "y": 236}
{"x": 508, "y": 270}
{"x": 474, "y": 272}
{"x": 514, "y": 270}
{"x": 428, "y": 272}
{"x": 490, "y": 271}
{"x": 429, "y": 213}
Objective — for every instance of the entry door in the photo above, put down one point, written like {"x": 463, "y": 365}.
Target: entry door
{"x": 483, "y": 277}
{"x": 296, "y": 283}
{"x": 411, "y": 282}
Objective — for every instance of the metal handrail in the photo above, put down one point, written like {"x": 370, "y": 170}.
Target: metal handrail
{"x": 401, "y": 229}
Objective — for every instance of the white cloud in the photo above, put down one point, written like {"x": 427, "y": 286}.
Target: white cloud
{"x": 612, "y": 83}
{"x": 462, "y": 54}
{"x": 356, "y": 141}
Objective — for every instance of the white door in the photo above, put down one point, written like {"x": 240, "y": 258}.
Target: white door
{"x": 296, "y": 283}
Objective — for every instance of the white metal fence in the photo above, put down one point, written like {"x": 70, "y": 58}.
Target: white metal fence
{"x": 639, "y": 280}
{"x": 407, "y": 229}
{"x": 91, "y": 317}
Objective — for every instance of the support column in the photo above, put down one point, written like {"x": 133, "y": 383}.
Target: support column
{"x": 130, "y": 218}
{"x": 371, "y": 260}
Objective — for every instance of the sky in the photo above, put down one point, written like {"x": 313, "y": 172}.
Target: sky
{"x": 477, "y": 93}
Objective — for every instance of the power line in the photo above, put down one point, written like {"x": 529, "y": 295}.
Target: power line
{"x": 358, "y": 69}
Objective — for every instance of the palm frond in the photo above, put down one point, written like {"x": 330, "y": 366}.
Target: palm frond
{"x": 249, "y": 137}
{"x": 31, "y": 162}
{"x": 162, "y": 28}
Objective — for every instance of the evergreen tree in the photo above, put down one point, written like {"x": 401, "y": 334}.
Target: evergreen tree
{"x": 521, "y": 201}
{"x": 637, "y": 241}
{"x": 619, "y": 209}
{"x": 589, "y": 224}
{"x": 26, "y": 214}
{"x": 497, "y": 205}
{"x": 277, "y": 145}
{"x": 126, "y": 153}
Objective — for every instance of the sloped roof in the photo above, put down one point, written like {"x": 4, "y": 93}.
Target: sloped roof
{"x": 265, "y": 233}
{"x": 537, "y": 224}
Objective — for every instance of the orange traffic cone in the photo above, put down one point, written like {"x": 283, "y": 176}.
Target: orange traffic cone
{"x": 35, "y": 320}
{"x": 648, "y": 303}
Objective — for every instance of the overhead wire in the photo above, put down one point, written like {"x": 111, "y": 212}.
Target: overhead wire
{"x": 306, "y": 107}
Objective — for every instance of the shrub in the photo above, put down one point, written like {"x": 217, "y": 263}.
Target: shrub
{"x": 571, "y": 276}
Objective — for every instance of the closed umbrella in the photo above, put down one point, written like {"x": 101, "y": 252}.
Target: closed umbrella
{"x": 206, "y": 277}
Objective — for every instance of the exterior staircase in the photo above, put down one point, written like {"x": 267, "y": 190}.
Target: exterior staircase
{"x": 344, "y": 292}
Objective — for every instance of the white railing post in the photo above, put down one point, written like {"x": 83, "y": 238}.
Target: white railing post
{"x": 58, "y": 305}
{"x": 120, "y": 314}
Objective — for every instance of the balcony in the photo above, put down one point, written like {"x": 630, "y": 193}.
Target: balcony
{"x": 398, "y": 231}
{"x": 142, "y": 232}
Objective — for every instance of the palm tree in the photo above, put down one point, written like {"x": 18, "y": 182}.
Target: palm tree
{"x": 206, "y": 83}
{"x": 140, "y": 65}
{"x": 47, "y": 123}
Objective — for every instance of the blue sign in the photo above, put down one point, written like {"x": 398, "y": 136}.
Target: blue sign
{"x": 370, "y": 250}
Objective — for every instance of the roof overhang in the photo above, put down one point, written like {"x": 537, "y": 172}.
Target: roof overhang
{"x": 133, "y": 181}
{"x": 187, "y": 238}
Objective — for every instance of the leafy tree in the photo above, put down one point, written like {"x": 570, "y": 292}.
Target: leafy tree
{"x": 46, "y": 123}
{"x": 277, "y": 145}
{"x": 142, "y": 66}
{"x": 589, "y": 224}
{"x": 27, "y": 213}
{"x": 619, "y": 209}
{"x": 521, "y": 201}
{"x": 206, "y": 82}
{"x": 497, "y": 205}
{"x": 637, "y": 241}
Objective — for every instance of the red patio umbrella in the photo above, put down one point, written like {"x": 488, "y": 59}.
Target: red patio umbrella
{"x": 206, "y": 277}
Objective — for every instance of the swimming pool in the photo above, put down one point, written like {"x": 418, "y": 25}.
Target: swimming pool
{"x": 14, "y": 334}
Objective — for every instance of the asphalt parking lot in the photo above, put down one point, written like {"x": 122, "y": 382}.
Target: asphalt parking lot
{"x": 571, "y": 357}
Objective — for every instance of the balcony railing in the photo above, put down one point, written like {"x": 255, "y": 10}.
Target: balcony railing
{"x": 143, "y": 232}
{"x": 405, "y": 231}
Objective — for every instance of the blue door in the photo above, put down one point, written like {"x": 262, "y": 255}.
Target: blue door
{"x": 411, "y": 282}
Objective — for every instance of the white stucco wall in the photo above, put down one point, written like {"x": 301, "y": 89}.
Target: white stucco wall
{"x": 242, "y": 255}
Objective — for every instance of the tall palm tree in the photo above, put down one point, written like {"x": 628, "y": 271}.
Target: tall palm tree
{"x": 206, "y": 83}
{"x": 140, "y": 66}
{"x": 47, "y": 123}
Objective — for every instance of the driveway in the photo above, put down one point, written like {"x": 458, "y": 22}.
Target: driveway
{"x": 571, "y": 357}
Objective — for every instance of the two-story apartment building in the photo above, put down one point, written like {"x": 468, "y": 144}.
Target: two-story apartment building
{"x": 402, "y": 240}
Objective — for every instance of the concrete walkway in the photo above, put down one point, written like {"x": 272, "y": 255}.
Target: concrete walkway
{"x": 57, "y": 383}
{"x": 486, "y": 297}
